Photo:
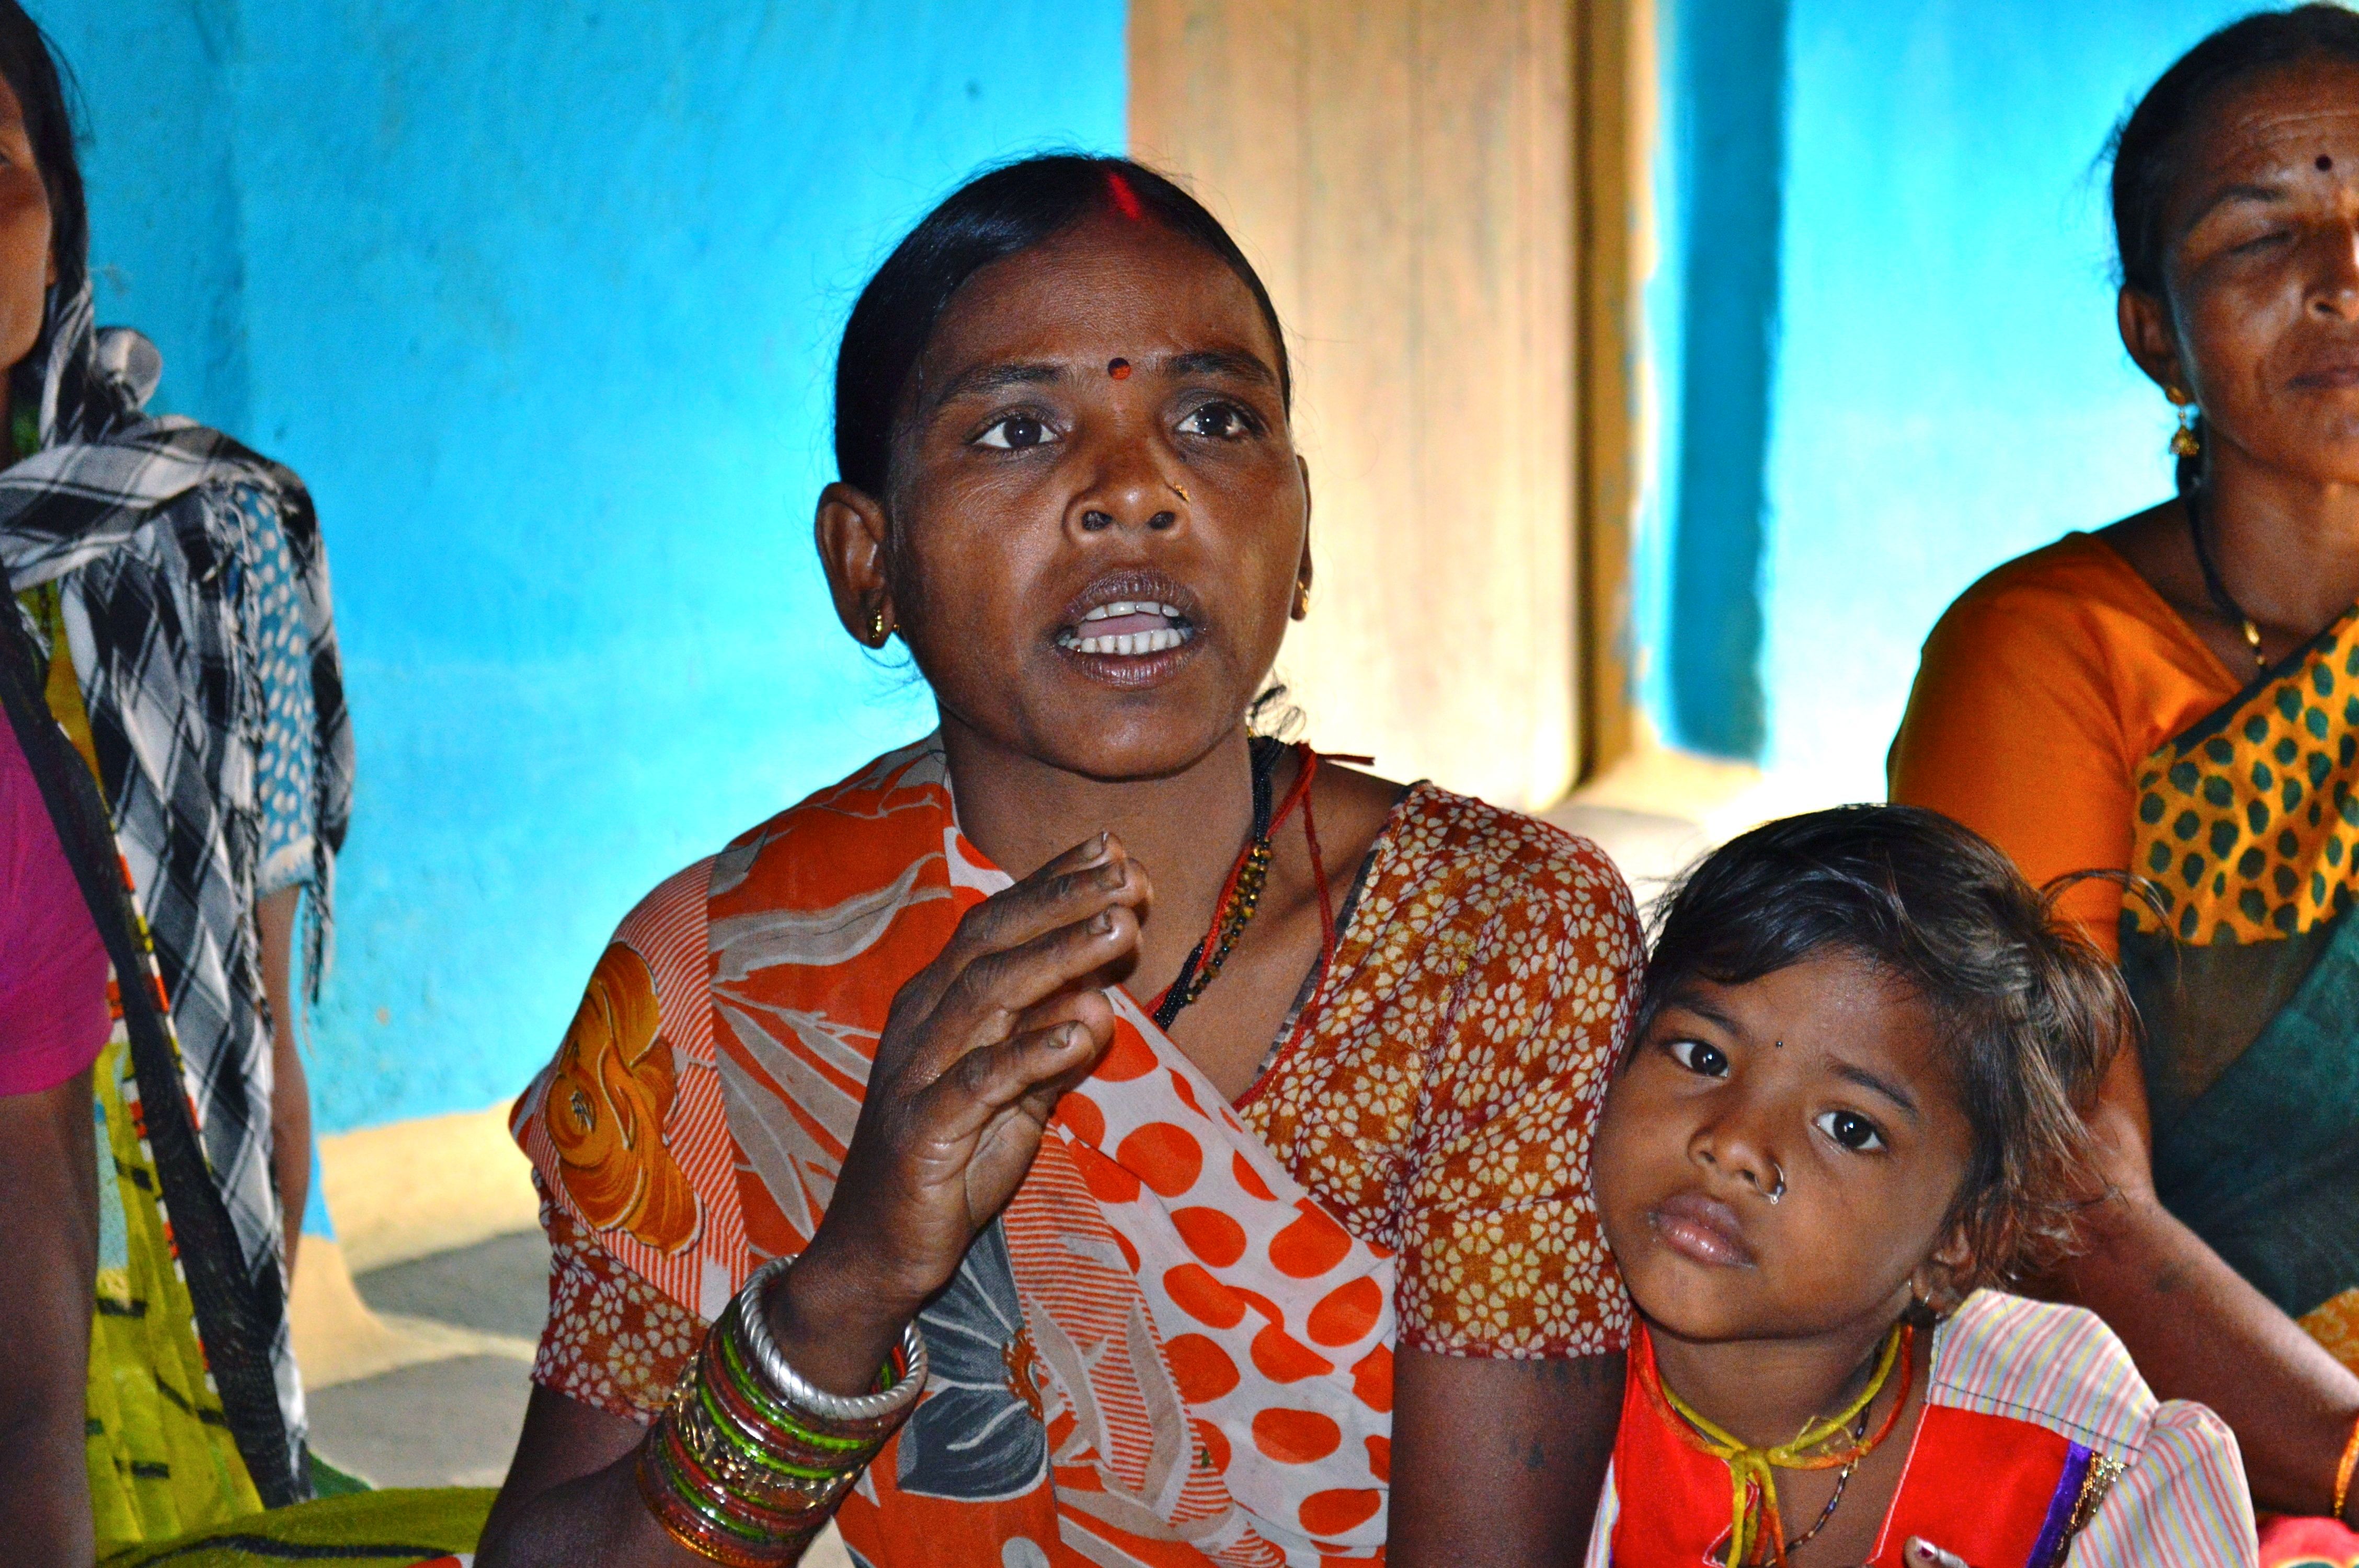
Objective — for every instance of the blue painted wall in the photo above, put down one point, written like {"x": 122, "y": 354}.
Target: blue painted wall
{"x": 541, "y": 298}
{"x": 1945, "y": 387}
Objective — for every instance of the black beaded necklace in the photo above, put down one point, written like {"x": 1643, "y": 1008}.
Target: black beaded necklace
{"x": 2221, "y": 597}
{"x": 1239, "y": 899}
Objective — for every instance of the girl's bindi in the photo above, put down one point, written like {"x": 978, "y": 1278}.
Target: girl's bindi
{"x": 1118, "y": 369}
{"x": 2324, "y": 163}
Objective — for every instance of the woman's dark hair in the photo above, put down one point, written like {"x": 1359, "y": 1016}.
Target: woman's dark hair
{"x": 2030, "y": 1013}
{"x": 42, "y": 86}
{"x": 997, "y": 214}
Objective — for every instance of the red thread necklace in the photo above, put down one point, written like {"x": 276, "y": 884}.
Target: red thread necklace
{"x": 1241, "y": 893}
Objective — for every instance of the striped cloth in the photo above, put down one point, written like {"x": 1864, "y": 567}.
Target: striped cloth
{"x": 138, "y": 521}
{"x": 2180, "y": 1499}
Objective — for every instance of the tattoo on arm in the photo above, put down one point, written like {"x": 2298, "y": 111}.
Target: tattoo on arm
{"x": 1584, "y": 1372}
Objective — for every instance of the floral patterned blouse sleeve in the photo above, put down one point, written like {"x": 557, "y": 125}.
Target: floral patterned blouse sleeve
{"x": 614, "y": 1341}
{"x": 634, "y": 1191}
{"x": 1446, "y": 1104}
{"x": 1502, "y": 1253}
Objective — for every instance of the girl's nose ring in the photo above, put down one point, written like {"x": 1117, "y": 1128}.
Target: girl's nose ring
{"x": 1774, "y": 1194}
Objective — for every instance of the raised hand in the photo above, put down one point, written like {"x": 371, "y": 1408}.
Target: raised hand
{"x": 976, "y": 1050}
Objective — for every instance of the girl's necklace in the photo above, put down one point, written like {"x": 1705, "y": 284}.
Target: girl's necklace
{"x": 1754, "y": 1521}
{"x": 1842, "y": 1479}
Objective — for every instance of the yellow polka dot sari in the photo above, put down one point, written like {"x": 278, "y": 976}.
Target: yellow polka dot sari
{"x": 2239, "y": 946}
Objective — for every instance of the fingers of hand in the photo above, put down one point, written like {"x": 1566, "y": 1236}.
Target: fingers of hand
{"x": 990, "y": 996}
{"x": 1058, "y": 894}
{"x": 1922, "y": 1551}
{"x": 1087, "y": 1006}
{"x": 984, "y": 1082}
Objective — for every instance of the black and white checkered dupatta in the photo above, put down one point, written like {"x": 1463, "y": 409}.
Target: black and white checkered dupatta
{"x": 133, "y": 517}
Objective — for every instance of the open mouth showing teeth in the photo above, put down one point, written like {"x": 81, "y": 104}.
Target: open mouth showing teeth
{"x": 1127, "y": 628}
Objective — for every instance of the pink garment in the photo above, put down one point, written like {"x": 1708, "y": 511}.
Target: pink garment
{"x": 53, "y": 968}
{"x": 2306, "y": 1543}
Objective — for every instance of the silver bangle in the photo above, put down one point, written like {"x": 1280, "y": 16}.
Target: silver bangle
{"x": 792, "y": 1388}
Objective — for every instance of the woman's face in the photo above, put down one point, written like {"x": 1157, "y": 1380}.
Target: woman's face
{"x": 27, "y": 267}
{"x": 2262, "y": 322}
{"x": 1097, "y": 519}
{"x": 1821, "y": 1083}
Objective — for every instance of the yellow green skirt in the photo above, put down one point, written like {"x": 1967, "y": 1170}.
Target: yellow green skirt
{"x": 369, "y": 1529}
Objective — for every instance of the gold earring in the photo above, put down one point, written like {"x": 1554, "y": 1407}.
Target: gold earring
{"x": 877, "y": 629}
{"x": 1302, "y": 602}
{"x": 2184, "y": 442}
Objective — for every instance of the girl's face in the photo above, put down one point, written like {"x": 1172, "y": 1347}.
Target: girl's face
{"x": 2263, "y": 268}
{"x": 1096, "y": 424}
{"x": 1824, "y": 1078}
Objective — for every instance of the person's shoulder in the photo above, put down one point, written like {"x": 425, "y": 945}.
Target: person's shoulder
{"x": 671, "y": 927}
{"x": 2057, "y": 584}
{"x": 675, "y": 916}
{"x": 671, "y": 913}
{"x": 2054, "y": 1366}
{"x": 1480, "y": 858}
{"x": 2068, "y": 623}
{"x": 2166, "y": 1481}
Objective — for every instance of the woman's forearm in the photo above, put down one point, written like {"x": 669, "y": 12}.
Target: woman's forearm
{"x": 2199, "y": 1330}
{"x": 596, "y": 1518}
{"x": 572, "y": 1492}
{"x": 1498, "y": 1462}
{"x": 49, "y": 1256}
{"x": 290, "y": 1091}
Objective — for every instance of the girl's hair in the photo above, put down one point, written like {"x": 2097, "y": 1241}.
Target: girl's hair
{"x": 42, "y": 87}
{"x": 2028, "y": 1012}
{"x": 1000, "y": 213}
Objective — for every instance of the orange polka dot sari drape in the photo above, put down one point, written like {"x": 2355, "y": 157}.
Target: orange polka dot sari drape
{"x": 1166, "y": 1349}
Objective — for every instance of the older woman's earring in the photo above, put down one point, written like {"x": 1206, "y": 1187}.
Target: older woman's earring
{"x": 2184, "y": 442}
{"x": 877, "y": 629}
{"x": 1302, "y": 602}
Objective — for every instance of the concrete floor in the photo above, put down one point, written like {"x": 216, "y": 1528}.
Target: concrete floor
{"x": 442, "y": 1424}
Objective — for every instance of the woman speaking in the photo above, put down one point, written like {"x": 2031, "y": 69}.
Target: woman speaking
{"x": 1179, "y": 1140}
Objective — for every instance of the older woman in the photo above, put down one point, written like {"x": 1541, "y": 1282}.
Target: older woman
{"x": 1180, "y": 1139}
{"x": 2176, "y": 698}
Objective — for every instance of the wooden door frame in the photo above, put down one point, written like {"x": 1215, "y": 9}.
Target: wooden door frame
{"x": 1614, "y": 116}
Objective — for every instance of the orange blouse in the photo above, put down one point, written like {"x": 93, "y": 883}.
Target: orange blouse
{"x": 2040, "y": 692}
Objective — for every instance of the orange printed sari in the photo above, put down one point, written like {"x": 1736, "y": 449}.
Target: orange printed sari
{"x": 1168, "y": 1349}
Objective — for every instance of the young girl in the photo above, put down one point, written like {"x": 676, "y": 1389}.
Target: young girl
{"x": 1851, "y": 1108}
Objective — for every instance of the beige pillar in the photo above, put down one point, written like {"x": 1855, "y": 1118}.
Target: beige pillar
{"x": 1401, "y": 171}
